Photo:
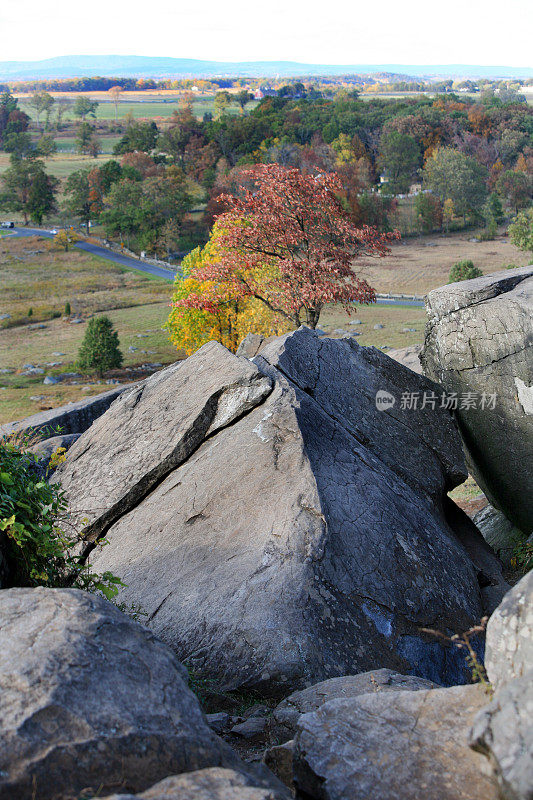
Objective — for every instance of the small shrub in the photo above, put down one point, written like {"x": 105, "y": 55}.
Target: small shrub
{"x": 34, "y": 541}
{"x": 67, "y": 309}
{"x": 30, "y": 312}
{"x": 464, "y": 271}
{"x": 99, "y": 350}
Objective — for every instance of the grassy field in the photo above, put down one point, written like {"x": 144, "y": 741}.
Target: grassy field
{"x": 419, "y": 264}
{"x": 138, "y": 105}
{"x": 62, "y": 164}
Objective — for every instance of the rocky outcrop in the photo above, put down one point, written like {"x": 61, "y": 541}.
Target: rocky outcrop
{"x": 92, "y": 699}
{"x": 503, "y": 730}
{"x": 72, "y": 418}
{"x": 479, "y": 345}
{"x": 276, "y": 527}
{"x": 205, "y": 784}
{"x": 408, "y": 356}
{"x": 400, "y": 745}
{"x": 498, "y": 532}
{"x": 286, "y": 715}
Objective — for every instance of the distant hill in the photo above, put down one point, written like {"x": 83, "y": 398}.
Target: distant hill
{"x": 158, "y": 67}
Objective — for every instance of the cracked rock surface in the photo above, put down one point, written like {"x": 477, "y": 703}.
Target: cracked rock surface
{"x": 205, "y": 784}
{"x": 479, "y": 339}
{"x": 400, "y": 745}
{"x": 90, "y": 698}
{"x": 503, "y": 731}
{"x": 304, "y": 534}
{"x": 286, "y": 715}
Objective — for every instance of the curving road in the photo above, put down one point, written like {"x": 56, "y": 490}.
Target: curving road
{"x": 168, "y": 274}
{"x": 102, "y": 252}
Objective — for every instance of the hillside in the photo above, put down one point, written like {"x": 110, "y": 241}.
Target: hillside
{"x": 149, "y": 66}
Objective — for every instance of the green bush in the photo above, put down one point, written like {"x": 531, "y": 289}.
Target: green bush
{"x": 521, "y": 230}
{"x": 464, "y": 271}
{"x": 33, "y": 521}
{"x": 67, "y": 309}
{"x": 99, "y": 350}
{"x": 30, "y": 312}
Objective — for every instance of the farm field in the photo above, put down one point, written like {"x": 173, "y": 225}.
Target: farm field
{"x": 138, "y": 105}
{"x": 419, "y": 264}
{"x": 62, "y": 164}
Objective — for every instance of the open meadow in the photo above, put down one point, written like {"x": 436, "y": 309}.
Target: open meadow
{"x": 41, "y": 279}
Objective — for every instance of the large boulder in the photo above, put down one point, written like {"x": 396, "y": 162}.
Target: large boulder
{"x": 274, "y": 524}
{"x": 71, "y": 418}
{"x": 90, "y": 698}
{"x": 286, "y": 715}
{"x": 503, "y": 731}
{"x": 204, "y": 784}
{"x": 498, "y": 532}
{"x": 401, "y": 745}
{"x": 479, "y": 344}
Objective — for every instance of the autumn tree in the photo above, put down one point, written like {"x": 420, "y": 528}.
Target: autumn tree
{"x": 84, "y": 138}
{"x": 140, "y": 136}
{"x": 289, "y": 244}
{"x": 115, "y": 93}
{"x": 400, "y": 157}
{"x": 206, "y": 310}
{"x": 452, "y": 175}
{"x": 516, "y": 188}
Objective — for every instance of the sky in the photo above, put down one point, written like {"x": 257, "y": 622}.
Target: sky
{"x": 327, "y": 32}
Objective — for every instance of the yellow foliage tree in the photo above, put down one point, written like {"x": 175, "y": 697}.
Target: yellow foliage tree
{"x": 219, "y": 315}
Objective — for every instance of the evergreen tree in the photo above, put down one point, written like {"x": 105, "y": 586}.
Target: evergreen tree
{"x": 99, "y": 350}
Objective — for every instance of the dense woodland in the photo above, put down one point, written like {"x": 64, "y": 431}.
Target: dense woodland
{"x": 472, "y": 158}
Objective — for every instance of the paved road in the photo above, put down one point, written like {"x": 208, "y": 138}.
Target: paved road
{"x": 109, "y": 255}
{"x": 142, "y": 266}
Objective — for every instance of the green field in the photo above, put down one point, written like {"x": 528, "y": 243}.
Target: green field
{"x": 139, "y": 109}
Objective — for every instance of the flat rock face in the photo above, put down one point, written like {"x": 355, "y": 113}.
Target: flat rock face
{"x": 288, "y": 712}
{"x": 503, "y": 730}
{"x": 509, "y": 649}
{"x": 400, "y": 745}
{"x": 154, "y": 429}
{"x": 205, "y": 784}
{"x": 303, "y": 537}
{"x": 90, "y": 698}
{"x": 479, "y": 340}
{"x": 71, "y": 418}
{"x": 498, "y": 532}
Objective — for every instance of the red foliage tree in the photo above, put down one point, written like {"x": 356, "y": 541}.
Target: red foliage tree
{"x": 287, "y": 241}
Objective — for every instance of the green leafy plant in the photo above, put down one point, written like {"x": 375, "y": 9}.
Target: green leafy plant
{"x": 464, "y": 271}
{"x": 522, "y": 558}
{"x": 34, "y": 537}
{"x": 67, "y": 309}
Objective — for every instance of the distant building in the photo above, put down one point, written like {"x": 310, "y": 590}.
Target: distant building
{"x": 258, "y": 94}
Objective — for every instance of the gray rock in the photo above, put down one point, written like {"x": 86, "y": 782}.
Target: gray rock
{"x": 5, "y": 316}
{"x": 356, "y": 322}
{"x": 498, "y": 532}
{"x": 76, "y": 321}
{"x": 92, "y": 699}
{"x": 153, "y": 429}
{"x": 503, "y": 731}
{"x": 36, "y": 326}
{"x": 400, "y": 745}
{"x": 408, "y": 356}
{"x": 33, "y": 371}
{"x": 70, "y": 418}
{"x": 218, "y": 722}
{"x": 279, "y": 760}
{"x": 288, "y": 712}
{"x": 251, "y": 345}
{"x": 479, "y": 339}
{"x": 50, "y": 380}
{"x": 46, "y": 448}
{"x": 205, "y": 784}
{"x": 509, "y": 649}
{"x": 252, "y": 729}
{"x": 378, "y": 327}
{"x": 297, "y": 538}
